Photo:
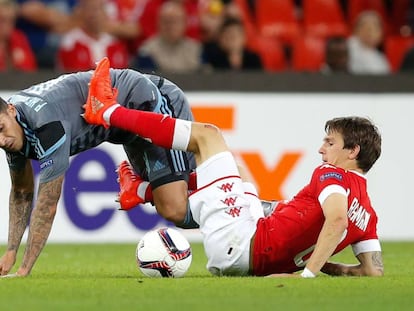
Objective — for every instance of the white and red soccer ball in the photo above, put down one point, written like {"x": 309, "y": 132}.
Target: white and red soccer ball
{"x": 164, "y": 252}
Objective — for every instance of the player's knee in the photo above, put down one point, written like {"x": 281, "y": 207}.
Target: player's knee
{"x": 209, "y": 132}
{"x": 171, "y": 201}
{"x": 174, "y": 212}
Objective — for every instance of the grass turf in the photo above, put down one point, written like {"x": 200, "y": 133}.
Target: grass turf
{"x": 105, "y": 277}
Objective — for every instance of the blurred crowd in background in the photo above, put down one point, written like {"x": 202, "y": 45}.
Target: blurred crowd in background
{"x": 191, "y": 36}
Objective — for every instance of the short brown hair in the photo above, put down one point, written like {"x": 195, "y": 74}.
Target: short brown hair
{"x": 358, "y": 131}
{"x": 3, "y": 105}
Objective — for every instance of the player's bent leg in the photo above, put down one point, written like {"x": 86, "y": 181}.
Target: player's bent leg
{"x": 226, "y": 227}
{"x": 171, "y": 201}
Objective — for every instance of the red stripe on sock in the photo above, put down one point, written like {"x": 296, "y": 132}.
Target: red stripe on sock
{"x": 154, "y": 126}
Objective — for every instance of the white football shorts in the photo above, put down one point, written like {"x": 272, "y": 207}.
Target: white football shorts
{"x": 227, "y": 210}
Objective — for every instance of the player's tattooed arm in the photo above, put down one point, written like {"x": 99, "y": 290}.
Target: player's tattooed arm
{"x": 20, "y": 203}
{"x": 370, "y": 265}
{"x": 41, "y": 222}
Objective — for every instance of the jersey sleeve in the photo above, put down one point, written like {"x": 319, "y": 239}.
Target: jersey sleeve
{"x": 326, "y": 180}
{"x": 54, "y": 144}
{"x": 372, "y": 245}
{"x": 47, "y": 133}
{"x": 369, "y": 242}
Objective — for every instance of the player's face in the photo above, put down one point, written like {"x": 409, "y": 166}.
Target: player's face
{"x": 11, "y": 133}
{"x": 333, "y": 152}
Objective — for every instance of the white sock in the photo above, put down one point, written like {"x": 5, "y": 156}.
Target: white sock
{"x": 182, "y": 134}
{"x": 142, "y": 189}
{"x": 107, "y": 114}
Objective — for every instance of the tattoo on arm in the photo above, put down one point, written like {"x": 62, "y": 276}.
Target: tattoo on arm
{"x": 20, "y": 203}
{"x": 41, "y": 220}
{"x": 20, "y": 207}
{"x": 377, "y": 260}
{"x": 370, "y": 264}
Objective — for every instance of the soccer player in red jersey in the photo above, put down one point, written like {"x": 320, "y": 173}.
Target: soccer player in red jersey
{"x": 330, "y": 213}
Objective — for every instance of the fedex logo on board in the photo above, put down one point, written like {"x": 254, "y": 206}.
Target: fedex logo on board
{"x": 269, "y": 180}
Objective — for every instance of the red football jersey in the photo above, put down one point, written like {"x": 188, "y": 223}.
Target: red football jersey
{"x": 20, "y": 56}
{"x": 78, "y": 51}
{"x": 285, "y": 239}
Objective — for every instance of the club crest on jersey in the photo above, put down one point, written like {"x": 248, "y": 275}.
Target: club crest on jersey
{"x": 329, "y": 175}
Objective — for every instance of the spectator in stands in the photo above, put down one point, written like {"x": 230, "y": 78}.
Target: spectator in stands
{"x": 15, "y": 50}
{"x": 149, "y": 19}
{"x": 212, "y": 14}
{"x": 83, "y": 46}
{"x": 123, "y": 20}
{"x": 232, "y": 9}
{"x": 230, "y": 51}
{"x": 364, "y": 45}
{"x": 336, "y": 56}
{"x": 43, "y": 21}
{"x": 407, "y": 64}
{"x": 170, "y": 50}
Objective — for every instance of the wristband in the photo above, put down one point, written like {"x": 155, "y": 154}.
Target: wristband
{"x": 306, "y": 273}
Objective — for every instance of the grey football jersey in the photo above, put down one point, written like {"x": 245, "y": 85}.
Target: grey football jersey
{"x": 49, "y": 113}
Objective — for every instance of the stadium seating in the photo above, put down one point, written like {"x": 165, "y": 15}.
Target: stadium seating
{"x": 399, "y": 15}
{"x": 272, "y": 54}
{"x": 308, "y": 54}
{"x": 291, "y": 34}
{"x": 395, "y": 49}
{"x": 277, "y": 19}
{"x": 248, "y": 22}
{"x": 324, "y": 18}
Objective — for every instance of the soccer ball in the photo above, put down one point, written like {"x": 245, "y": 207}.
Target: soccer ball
{"x": 164, "y": 252}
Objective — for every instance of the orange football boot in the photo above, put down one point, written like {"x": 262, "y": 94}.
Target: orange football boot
{"x": 101, "y": 95}
{"x": 128, "y": 183}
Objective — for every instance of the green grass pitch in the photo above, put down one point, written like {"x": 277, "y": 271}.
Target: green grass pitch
{"x": 105, "y": 277}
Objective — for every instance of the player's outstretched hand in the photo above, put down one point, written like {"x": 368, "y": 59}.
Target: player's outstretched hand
{"x": 7, "y": 262}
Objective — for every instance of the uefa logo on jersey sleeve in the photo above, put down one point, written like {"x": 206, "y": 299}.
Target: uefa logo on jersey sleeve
{"x": 330, "y": 175}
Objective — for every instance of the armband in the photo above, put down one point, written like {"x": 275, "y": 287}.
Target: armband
{"x": 306, "y": 273}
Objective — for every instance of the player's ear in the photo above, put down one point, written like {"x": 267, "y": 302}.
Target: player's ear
{"x": 11, "y": 110}
{"x": 354, "y": 152}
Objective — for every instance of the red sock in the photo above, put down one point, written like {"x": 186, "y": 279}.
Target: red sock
{"x": 157, "y": 127}
{"x": 192, "y": 181}
{"x": 148, "y": 194}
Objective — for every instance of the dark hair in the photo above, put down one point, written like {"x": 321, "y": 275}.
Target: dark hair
{"x": 334, "y": 41}
{"x": 3, "y": 105}
{"x": 336, "y": 54}
{"x": 229, "y": 22}
{"x": 358, "y": 131}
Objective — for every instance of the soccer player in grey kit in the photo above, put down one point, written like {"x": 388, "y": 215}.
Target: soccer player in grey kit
{"x": 44, "y": 123}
